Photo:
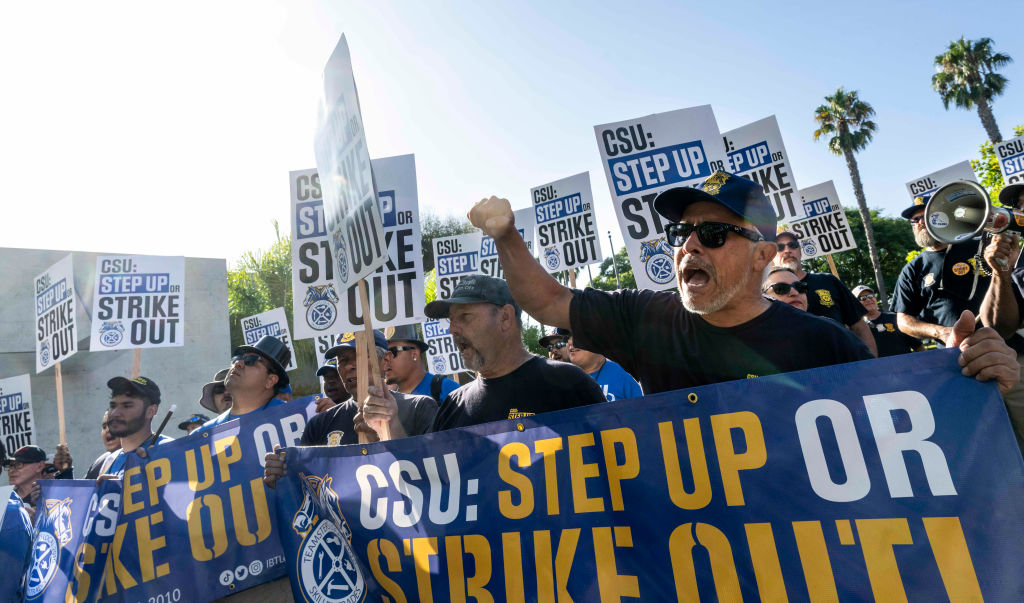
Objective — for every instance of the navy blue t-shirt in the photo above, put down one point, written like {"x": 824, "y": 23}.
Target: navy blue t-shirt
{"x": 937, "y": 286}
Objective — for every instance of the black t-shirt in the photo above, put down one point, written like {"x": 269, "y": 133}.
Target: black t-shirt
{"x": 937, "y": 286}
{"x": 891, "y": 341}
{"x": 666, "y": 347}
{"x": 827, "y": 296}
{"x": 538, "y": 385}
{"x": 334, "y": 426}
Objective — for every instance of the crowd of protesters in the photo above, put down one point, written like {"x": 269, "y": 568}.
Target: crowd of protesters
{"x": 744, "y": 307}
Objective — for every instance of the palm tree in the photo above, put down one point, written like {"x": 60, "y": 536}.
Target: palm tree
{"x": 845, "y": 120}
{"x": 966, "y": 78}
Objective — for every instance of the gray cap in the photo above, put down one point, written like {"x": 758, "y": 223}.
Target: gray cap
{"x": 474, "y": 289}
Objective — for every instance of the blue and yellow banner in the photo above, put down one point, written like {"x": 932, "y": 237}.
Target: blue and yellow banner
{"x": 886, "y": 480}
{"x": 192, "y": 522}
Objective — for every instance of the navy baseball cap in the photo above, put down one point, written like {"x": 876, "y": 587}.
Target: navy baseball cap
{"x": 743, "y": 197}
{"x": 141, "y": 386}
{"x": 557, "y": 333}
{"x": 349, "y": 343}
{"x": 195, "y": 418}
{"x": 27, "y": 454}
{"x": 473, "y": 289}
{"x": 330, "y": 365}
{"x": 919, "y": 203}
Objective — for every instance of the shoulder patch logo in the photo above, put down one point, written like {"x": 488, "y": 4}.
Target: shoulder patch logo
{"x": 825, "y": 297}
{"x": 929, "y": 279}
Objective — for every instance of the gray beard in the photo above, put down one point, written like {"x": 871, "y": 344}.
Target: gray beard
{"x": 714, "y": 304}
{"x": 924, "y": 239}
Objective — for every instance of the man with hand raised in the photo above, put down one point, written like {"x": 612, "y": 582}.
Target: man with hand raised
{"x": 717, "y": 327}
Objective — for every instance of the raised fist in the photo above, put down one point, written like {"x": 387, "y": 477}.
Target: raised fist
{"x": 493, "y": 216}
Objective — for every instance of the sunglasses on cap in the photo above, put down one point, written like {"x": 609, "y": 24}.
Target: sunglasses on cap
{"x": 791, "y": 245}
{"x": 247, "y": 359}
{"x": 557, "y": 346}
{"x": 398, "y": 349}
{"x": 783, "y": 288}
{"x": 710, "y": 234}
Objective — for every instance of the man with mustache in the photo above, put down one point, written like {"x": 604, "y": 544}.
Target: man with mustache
{"x": 826, "y": 296}
{"x": 937, "y": 286}
{"x": 557, "y": 344}
{"x": 718, "y": 327}
{"x": 133, "y": 404}
{"x": 486, "y": 325}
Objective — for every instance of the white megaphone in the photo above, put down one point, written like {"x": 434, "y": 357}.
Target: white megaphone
{"x": 961, "y": 210}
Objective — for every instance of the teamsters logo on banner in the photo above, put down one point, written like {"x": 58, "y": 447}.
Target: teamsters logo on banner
{"x": 643, "y": 157}
{"x": 328, "y": 569}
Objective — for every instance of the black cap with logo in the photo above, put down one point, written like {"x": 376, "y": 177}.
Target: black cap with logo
{"x": 138, "y": 386}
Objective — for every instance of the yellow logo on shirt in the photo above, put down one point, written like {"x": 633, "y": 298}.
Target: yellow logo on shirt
{"x": 334, "y": 438}
{"x": 513, "y": 413}
{"x": 889, "y": 327}
{"x": 961, "y": 268}
{"x": 825, "y": 297}
{"x": 751, "y": 376}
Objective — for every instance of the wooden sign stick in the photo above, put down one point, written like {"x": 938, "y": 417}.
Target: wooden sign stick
{"x": 136, "y": 362}
{"x": 370, "y": 351}
{"x": 572, "y": 278}
{"x": 832, "y": 265}
{"x": 60, "y": 407}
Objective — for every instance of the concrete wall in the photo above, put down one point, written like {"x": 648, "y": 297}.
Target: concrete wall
{"x": 180, "y": 372}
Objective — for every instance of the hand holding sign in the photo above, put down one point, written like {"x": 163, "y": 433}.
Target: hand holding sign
{"x": 379, "y": 411}
{"x": 493, "y": 216}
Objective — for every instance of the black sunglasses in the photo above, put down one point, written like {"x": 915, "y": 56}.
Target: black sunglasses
{"x": 247, "y": 359}
{"x": 791, "y": 245}
{"x": 867, "y": 296}
{"x": 710, "y": 234}
{"x": 917, "y": 219}
{"x": 783, "y": 288}
{"x": 557, "y": 346}
{"x": 400, "y": 348}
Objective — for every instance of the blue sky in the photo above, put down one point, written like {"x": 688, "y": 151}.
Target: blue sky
{"x": 170, "y": 128}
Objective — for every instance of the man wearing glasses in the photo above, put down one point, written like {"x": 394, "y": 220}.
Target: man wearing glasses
{"x": 256, "y": 376}
{"x": 935, "y": 288}
{"x": 408, "y": 367}
{"x": 827, "y": 296}
{"x": 718, "y": 326}
{"x": 890, "y": 339}
{"x": 557, "y": 344}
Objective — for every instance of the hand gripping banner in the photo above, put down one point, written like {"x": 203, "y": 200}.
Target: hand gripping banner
{"x": 878, "y": 480}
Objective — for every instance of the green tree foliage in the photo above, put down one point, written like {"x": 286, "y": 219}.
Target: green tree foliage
{"x": 261, "y": 280}
{"x": 605, "y": 277}
{"x": 987, "y": 167}
{"x": 854, "y": 267}
{"x": 966, "y": 78}
{"x": 845, "y": 121}
{"x": 433, "y": 226}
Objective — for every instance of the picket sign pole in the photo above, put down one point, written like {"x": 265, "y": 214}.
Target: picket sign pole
{"x": 572, "y": 278}
{"x": 60, "y": 406}
{"x": 832, "y": 265}
{"x": 362, "y": 378}
{"x": 384, "y": 430}
{"x": 136, "y": 362}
